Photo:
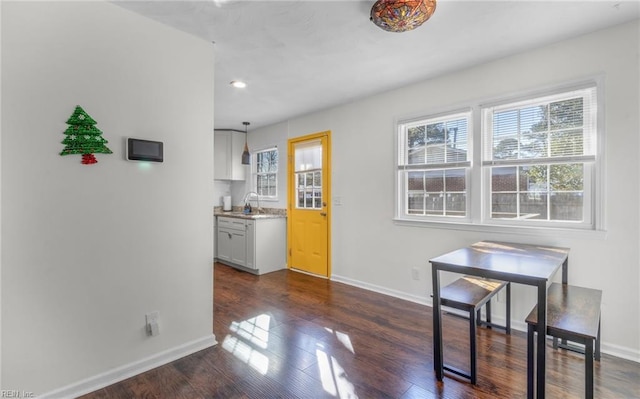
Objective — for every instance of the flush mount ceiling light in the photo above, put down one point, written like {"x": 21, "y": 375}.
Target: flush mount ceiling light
{"x": 246, "y": 157}
{"x": 238, "y": 84}
{"x": 401, "y": 15}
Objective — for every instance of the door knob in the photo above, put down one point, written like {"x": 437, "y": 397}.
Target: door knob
{"x": 323, "y": 214}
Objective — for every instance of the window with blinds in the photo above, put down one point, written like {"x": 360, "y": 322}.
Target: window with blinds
{"x": 538, "y": 159}
{"x": 433, "y": 162}
{"x": 532, "y": 162}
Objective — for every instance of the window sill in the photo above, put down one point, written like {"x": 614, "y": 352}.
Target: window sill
{"x": 502, "y": 229}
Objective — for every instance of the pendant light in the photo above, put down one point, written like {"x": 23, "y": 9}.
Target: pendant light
{"x": 246, "y": 157}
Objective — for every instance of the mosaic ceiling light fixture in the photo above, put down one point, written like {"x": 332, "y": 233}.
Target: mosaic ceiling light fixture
{"x": 401, "y": 15}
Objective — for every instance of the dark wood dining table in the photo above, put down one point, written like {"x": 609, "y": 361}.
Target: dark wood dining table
{"x": 534, "y": 265}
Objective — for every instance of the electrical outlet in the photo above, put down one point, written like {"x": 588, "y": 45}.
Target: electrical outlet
{"x": 415, "y": 273}
{"x": 151, "y": 323}
{"x": 152, "y": 317}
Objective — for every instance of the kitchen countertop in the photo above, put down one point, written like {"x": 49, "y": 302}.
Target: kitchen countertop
{"x": 251, "y": 216}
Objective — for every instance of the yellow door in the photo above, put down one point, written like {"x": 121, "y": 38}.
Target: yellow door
{"x": 308, "y": 205}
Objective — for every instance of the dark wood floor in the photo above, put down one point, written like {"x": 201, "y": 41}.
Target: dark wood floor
{"x": 290, "y": 335}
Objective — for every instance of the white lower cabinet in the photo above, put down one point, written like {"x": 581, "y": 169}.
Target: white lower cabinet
{"x": 223, "y": 250}
{"x": 231, "y": 246}
{"x": 254, "y": 245}
{"x": 238, "y": 247}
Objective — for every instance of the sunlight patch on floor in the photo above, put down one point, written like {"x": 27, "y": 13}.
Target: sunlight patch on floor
{"x": 346, "y": 341}
{"x": 251, "y": 336}
{"x": 255, "y": 330}
{"x": 343, "y": 339}
{"x": 247, "y": 354}
{"x": 333, "y": 376}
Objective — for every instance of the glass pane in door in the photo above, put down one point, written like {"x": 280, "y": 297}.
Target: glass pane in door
{"x": 308, "y": 174}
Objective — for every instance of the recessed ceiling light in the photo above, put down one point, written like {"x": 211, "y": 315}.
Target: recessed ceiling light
{"x": 238, "y": 84}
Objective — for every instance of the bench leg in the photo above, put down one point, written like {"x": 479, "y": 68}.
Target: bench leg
{"x": 488, "y": 308}
{"x": 588, "y": 369}
{"x": 530, "y": 343}
{"x": 472, "y": 345}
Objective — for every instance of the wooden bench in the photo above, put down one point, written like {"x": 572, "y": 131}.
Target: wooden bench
{"x": 470, "y": 294}
{"x": 573, "y": 314}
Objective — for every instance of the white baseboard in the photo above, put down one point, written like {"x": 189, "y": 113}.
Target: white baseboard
{"x": 382, "y": 290}
{"x": 620, "y": 351}
{"x": 608, "y": 348}
{"x": 129, "y": 370}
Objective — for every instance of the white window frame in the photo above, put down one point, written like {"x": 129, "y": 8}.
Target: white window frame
{"x": 479, "y": 179}
{"x": 588, "y": 159}
{"x": 255, "y": 173}
{"x": 404, "y": 168}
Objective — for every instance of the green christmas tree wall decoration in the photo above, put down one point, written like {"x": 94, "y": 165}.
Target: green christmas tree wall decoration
{"x": 83, "y": 137}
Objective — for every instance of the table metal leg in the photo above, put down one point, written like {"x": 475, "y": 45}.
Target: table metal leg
{"x": 597, "y": 353}
{"x": 542, "y": 334}
{"x": 530, "y": 364}
{"x": 508, "y": 310}
{"x": 437, "y": 326}
{"x": 588, "y": 368}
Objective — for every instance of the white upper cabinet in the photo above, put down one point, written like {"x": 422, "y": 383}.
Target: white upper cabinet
{"x": 227, "y": 153}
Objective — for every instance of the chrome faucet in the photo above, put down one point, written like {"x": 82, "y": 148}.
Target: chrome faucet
{"x": 249, "y": 194}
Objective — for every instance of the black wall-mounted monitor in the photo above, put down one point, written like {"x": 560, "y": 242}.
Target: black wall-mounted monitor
{"x": 144, "y": 150}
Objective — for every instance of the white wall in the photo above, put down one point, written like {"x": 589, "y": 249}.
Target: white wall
{"x": 363, "y": 137}
{"x": 88, "y": 250}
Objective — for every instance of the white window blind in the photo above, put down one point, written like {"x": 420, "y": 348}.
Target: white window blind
{"x": 553, "y": 129}
{"x": 434, "y": 143}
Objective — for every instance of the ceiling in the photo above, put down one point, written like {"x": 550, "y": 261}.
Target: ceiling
{"x": 302, "y": 56}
